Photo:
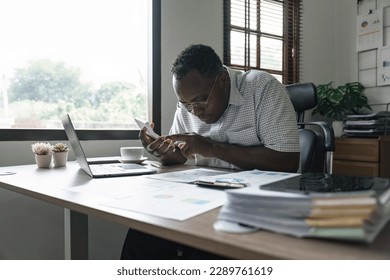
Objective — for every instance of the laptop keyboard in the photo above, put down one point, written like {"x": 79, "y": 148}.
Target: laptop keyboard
{"x": 131, "y": 166}
{"x": 112, "y": 168}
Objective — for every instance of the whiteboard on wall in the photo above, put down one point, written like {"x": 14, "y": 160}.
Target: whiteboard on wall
{"x": 372, "y": 42}
{"x": 369, "y": 30}
{"x": 383, "y": 69}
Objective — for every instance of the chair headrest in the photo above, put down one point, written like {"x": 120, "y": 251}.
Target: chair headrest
{"x": 303, "y": 96}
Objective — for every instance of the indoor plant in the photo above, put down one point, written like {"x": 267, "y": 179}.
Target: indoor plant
{"x": 60, "y": 154}
{"x": 43, "y": 154}
{"x": 337, "y": 103}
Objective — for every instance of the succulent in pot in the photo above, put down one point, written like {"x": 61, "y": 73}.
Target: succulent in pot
{"x": 60, "y": 155}
{"x": 41, "y": 148}
{"x": 43, "y": 154}
{"x": 59, "y": 148}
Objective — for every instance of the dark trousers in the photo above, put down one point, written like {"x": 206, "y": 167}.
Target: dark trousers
{"x": 142, "y": 246}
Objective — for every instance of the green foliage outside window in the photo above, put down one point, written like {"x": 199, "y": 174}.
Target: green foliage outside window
{"x": 45, "y": 90}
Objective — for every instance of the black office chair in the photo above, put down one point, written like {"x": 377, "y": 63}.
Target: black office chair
{"x": 316, "y": 148}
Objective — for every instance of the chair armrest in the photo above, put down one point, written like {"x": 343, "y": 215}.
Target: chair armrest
{"x": 328, "y": 133}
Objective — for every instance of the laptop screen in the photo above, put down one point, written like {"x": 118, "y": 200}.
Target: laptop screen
{"x": 100, "y": 170}
{"x": 75, "y": 144}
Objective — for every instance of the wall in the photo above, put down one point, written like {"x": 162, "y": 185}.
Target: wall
{"x": 30, "y": 229}
{"x": 328, "y": 51}
{"x": 377, "y": 94}
{"x": 346, "y": 57}
{"x": 329, "y": 46}
{"x": 184, "y": 23}
{"x": 318, "y": 41}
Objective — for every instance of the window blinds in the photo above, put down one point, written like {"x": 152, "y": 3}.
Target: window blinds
{"x": 264, "y": 35}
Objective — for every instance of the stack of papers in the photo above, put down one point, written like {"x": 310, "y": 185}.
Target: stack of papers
{"x": 314, "y": 205}
{"x": 373, "y": 124}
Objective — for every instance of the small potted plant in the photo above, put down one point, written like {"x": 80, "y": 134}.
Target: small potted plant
{"x": 43, "y": 154}
{"x": 60, "y": 154}
{"x": 337, "y": 103}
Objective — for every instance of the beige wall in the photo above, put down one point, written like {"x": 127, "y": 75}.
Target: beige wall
{"x": 184, "y": 23}
{"x": 329, "y": 45}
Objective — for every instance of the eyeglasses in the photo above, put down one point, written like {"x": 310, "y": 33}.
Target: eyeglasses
{"x": 202, "y": 103}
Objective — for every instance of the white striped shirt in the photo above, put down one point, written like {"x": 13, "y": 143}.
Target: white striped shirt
{"x": 259, "y": 113}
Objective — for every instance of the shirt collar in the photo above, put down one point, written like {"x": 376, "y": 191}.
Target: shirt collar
{"x": 235, "y": 97}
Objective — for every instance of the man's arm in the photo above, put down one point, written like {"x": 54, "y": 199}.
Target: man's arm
{"x": 257, "y": 157}
{"x": 245, "y": 157}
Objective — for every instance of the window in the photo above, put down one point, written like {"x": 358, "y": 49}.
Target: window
{"x": 91, "y": 59}
{"x": 264, "y": 35}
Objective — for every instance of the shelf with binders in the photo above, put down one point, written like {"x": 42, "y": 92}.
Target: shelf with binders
{"x": 369, "y": 125}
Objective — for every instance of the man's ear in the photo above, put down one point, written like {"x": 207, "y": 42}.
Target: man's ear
{"x": 225, "y": 78}
{"x": 175, "y": 85}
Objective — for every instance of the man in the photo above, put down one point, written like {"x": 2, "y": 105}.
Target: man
{"x": 224, "y": 118}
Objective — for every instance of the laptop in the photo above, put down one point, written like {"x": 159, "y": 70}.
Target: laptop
{"x": 95, "y": 168}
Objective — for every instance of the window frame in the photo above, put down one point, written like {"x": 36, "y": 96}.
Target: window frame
{"x": 290, "y": 38}
{"x": 10, "y": 134}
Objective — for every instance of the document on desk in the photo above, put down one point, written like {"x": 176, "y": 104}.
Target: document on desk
{"x": 187, "y": 176}
{"x": 121, "y": 188}
{"x": 248, "y": 177}
{"x": 172, "y": 200}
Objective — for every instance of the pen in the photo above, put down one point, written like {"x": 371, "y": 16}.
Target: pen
{"x": 220, "y": 184}
{"x": 156, "y": 164}
{"x": 230, "y": 185}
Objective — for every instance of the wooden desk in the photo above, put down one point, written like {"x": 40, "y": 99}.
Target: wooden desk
{"x": 362, "y": 156}
{"x": 48, "y": 185}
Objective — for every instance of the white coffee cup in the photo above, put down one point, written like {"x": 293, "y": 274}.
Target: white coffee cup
{"x": 132, "y": 153}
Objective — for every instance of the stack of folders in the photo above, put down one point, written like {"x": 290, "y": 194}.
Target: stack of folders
{"x": 314, "y": 205}
{"x": 369, "y": 125}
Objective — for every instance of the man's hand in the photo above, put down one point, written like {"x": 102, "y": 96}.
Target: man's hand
{"x": 191, "y": 144}
{"x": 162, "y": 148}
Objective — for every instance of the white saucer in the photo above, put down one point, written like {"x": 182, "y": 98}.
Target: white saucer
{"x": 133, "y": 160}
